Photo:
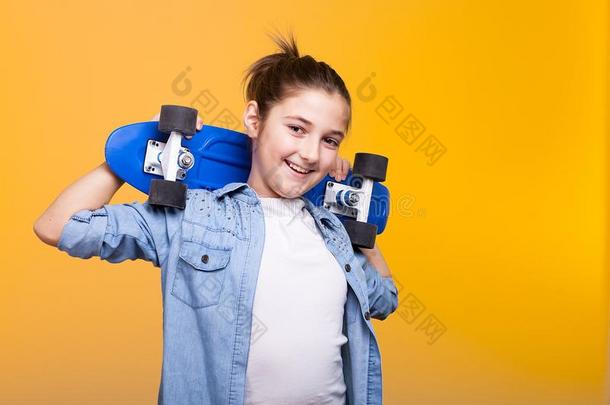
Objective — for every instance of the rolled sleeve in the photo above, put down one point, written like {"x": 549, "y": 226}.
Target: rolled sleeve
{"x": 382, "y": 291}
{"x": 83, "y": 234}
{"x": 118, "y": 232}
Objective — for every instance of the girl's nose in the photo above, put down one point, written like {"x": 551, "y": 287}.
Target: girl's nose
{"x": 309, "y": 150}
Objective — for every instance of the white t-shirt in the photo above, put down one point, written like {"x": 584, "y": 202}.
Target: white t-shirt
{"x": 295, "y": 356}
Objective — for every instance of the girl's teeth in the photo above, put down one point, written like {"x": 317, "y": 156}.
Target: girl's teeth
{"x": 298, "y": 169}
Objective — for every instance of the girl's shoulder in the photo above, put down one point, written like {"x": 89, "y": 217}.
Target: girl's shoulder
{"x": 211, "y": 210}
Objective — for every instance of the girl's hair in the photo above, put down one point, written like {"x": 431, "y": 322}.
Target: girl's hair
{"x": 277, "y": 76}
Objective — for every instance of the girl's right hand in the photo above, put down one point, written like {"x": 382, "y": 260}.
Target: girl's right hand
{"x": 341, "y": 169}
{"x": 199, "y": 124}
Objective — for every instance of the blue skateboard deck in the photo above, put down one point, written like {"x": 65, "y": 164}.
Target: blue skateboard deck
{"x": 222, "y": 156}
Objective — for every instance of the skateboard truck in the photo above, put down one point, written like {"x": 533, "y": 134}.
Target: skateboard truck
{"x": 170, "y": 159}
{"x": 354, "y": 200}
{"x": 152, "y": 160}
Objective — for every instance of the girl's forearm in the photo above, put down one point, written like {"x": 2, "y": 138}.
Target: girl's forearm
{"x": 91, "y": 191}
{"x": 375, "y": 257}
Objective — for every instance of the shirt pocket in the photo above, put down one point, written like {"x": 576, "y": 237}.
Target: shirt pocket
{"x": 200, "y": 273}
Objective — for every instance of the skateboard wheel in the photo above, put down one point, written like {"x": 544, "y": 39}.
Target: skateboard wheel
{"x": 362, "y": 234}
{"x": 167, "y": 193}
{"x": 370, "y": 166}
{"x": 178, "y": 118}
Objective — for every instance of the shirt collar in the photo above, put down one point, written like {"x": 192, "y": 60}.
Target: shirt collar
{"x": 242, "y": 191}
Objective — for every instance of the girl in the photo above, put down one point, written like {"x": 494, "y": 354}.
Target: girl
{"x": 264, "y": 299}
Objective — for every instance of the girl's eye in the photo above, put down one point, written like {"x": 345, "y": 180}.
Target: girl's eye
{"x": 332, "y": 142}
{"x": 297, "y": 128}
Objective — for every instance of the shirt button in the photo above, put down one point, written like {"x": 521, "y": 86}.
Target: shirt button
{"x": 204, "y": 258}
{"x": 367, "y": 316}
{"x": 348, "y": 267}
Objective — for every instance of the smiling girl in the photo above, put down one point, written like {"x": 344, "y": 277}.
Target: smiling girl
{"x": 265, "y": 301}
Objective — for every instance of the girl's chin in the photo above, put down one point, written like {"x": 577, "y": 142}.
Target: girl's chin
{"x": 292, "y": 192}
{"x": 292, "y": 189}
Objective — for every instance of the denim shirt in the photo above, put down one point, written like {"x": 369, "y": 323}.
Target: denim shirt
{"x": 209, "y": 255}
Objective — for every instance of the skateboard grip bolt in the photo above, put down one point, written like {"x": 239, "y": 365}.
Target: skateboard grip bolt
{"x": 186, "y": 160}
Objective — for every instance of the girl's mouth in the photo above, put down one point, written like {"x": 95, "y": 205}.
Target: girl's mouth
{"x": 296, "y": 170}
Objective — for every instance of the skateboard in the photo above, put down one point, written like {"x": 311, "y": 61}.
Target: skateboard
{"x": 163, "y": 158}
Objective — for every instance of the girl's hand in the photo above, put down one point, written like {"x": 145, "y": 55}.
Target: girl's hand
{"x": 339, "y": 172}
{"x": 198, "y": 126}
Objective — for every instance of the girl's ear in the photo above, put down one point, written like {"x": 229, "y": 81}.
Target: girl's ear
{"x": 251, "y": 119}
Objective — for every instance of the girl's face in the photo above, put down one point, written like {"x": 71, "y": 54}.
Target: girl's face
{"x": 305, "y": 130}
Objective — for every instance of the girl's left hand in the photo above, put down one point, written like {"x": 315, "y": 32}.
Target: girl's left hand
{"x": 339, "y": 172}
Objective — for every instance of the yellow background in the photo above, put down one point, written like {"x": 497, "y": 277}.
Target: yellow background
{"x": 502, "y": 240}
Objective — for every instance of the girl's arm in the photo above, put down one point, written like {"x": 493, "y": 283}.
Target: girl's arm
{"x": 382, "y": 291}
{"x": 375, "y": 257}
{"x": 91, "y": 192}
